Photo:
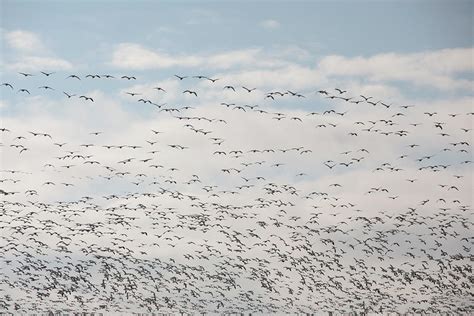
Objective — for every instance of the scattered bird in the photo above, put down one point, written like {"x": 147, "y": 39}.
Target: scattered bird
{"x": 6, "y": 84}
{"x": 248, "y": 90}
{"x": 190, "y": 217}
{"x": 69, "y": 95}
{"x": 26, "y": 74}
{"x": 86, "y": 98}
{"x": 132, "y": 93}
{"x": 190, "y": 92}
{"x": 74, "y": 77}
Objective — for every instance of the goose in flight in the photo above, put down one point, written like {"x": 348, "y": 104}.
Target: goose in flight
{"x": 45, "y": 88}
{"x": 132, "y": 93}
{"x": 248, "y": 90}
{"x": 190, "y": 92}
{"x": 73, "y": 76}
{"x": 180, "y": 77}
{"x": 86, "y": 98}
{"x": 69, "y": 95}
{"x": 239, "y": 108}
{"x": 6, "y": 84}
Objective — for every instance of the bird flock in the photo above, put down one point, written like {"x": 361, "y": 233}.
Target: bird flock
{"x": 324, "y": 200}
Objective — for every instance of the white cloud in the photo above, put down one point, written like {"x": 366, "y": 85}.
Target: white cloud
{"x": 238, "y": 57}
{"x": 24, "y": 41}
{"x": 254, "y": 57}
{"x": 35, "y": 63}
{"x": 432, "y": 68}
{"x": 439, "y": 69}
{"x": 135, "y": 56}
{"x": 291, "y": 76}
{"x": 31, "y": 54}
{"x": 270, "y": 24}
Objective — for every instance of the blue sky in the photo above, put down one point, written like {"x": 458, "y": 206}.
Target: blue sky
{"x": 369, "y": 27}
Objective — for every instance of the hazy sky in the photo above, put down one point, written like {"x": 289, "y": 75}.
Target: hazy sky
{"x": 360, "y": 110}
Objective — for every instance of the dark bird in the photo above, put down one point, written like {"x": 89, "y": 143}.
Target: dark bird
{"x": 190, "y": 92}
{"x": 6, "y": 84}
{"x": 69, "y": 95}
{"x": 132, "y": 93}
{"x": 45, "y": 87}
{"x": 248, "y": 90}
{"x": 73, "y": 76}
{"x": 86, "y": 98}
{"x": 26, "y": 74}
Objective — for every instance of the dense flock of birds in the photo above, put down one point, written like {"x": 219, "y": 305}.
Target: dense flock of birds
{"x": 257, "y": 234}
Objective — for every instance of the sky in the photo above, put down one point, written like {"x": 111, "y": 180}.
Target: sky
{"x": 360, "y": 110}
{"x": 89, "y": 35}
{"x": 369, "y": 27}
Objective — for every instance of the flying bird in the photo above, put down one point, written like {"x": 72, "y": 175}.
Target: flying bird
{"x": 6, "y": 84}
{"x": 74, "y": 77}
{"x": 190, "y": 92}
{"x": 248, "y": 90}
